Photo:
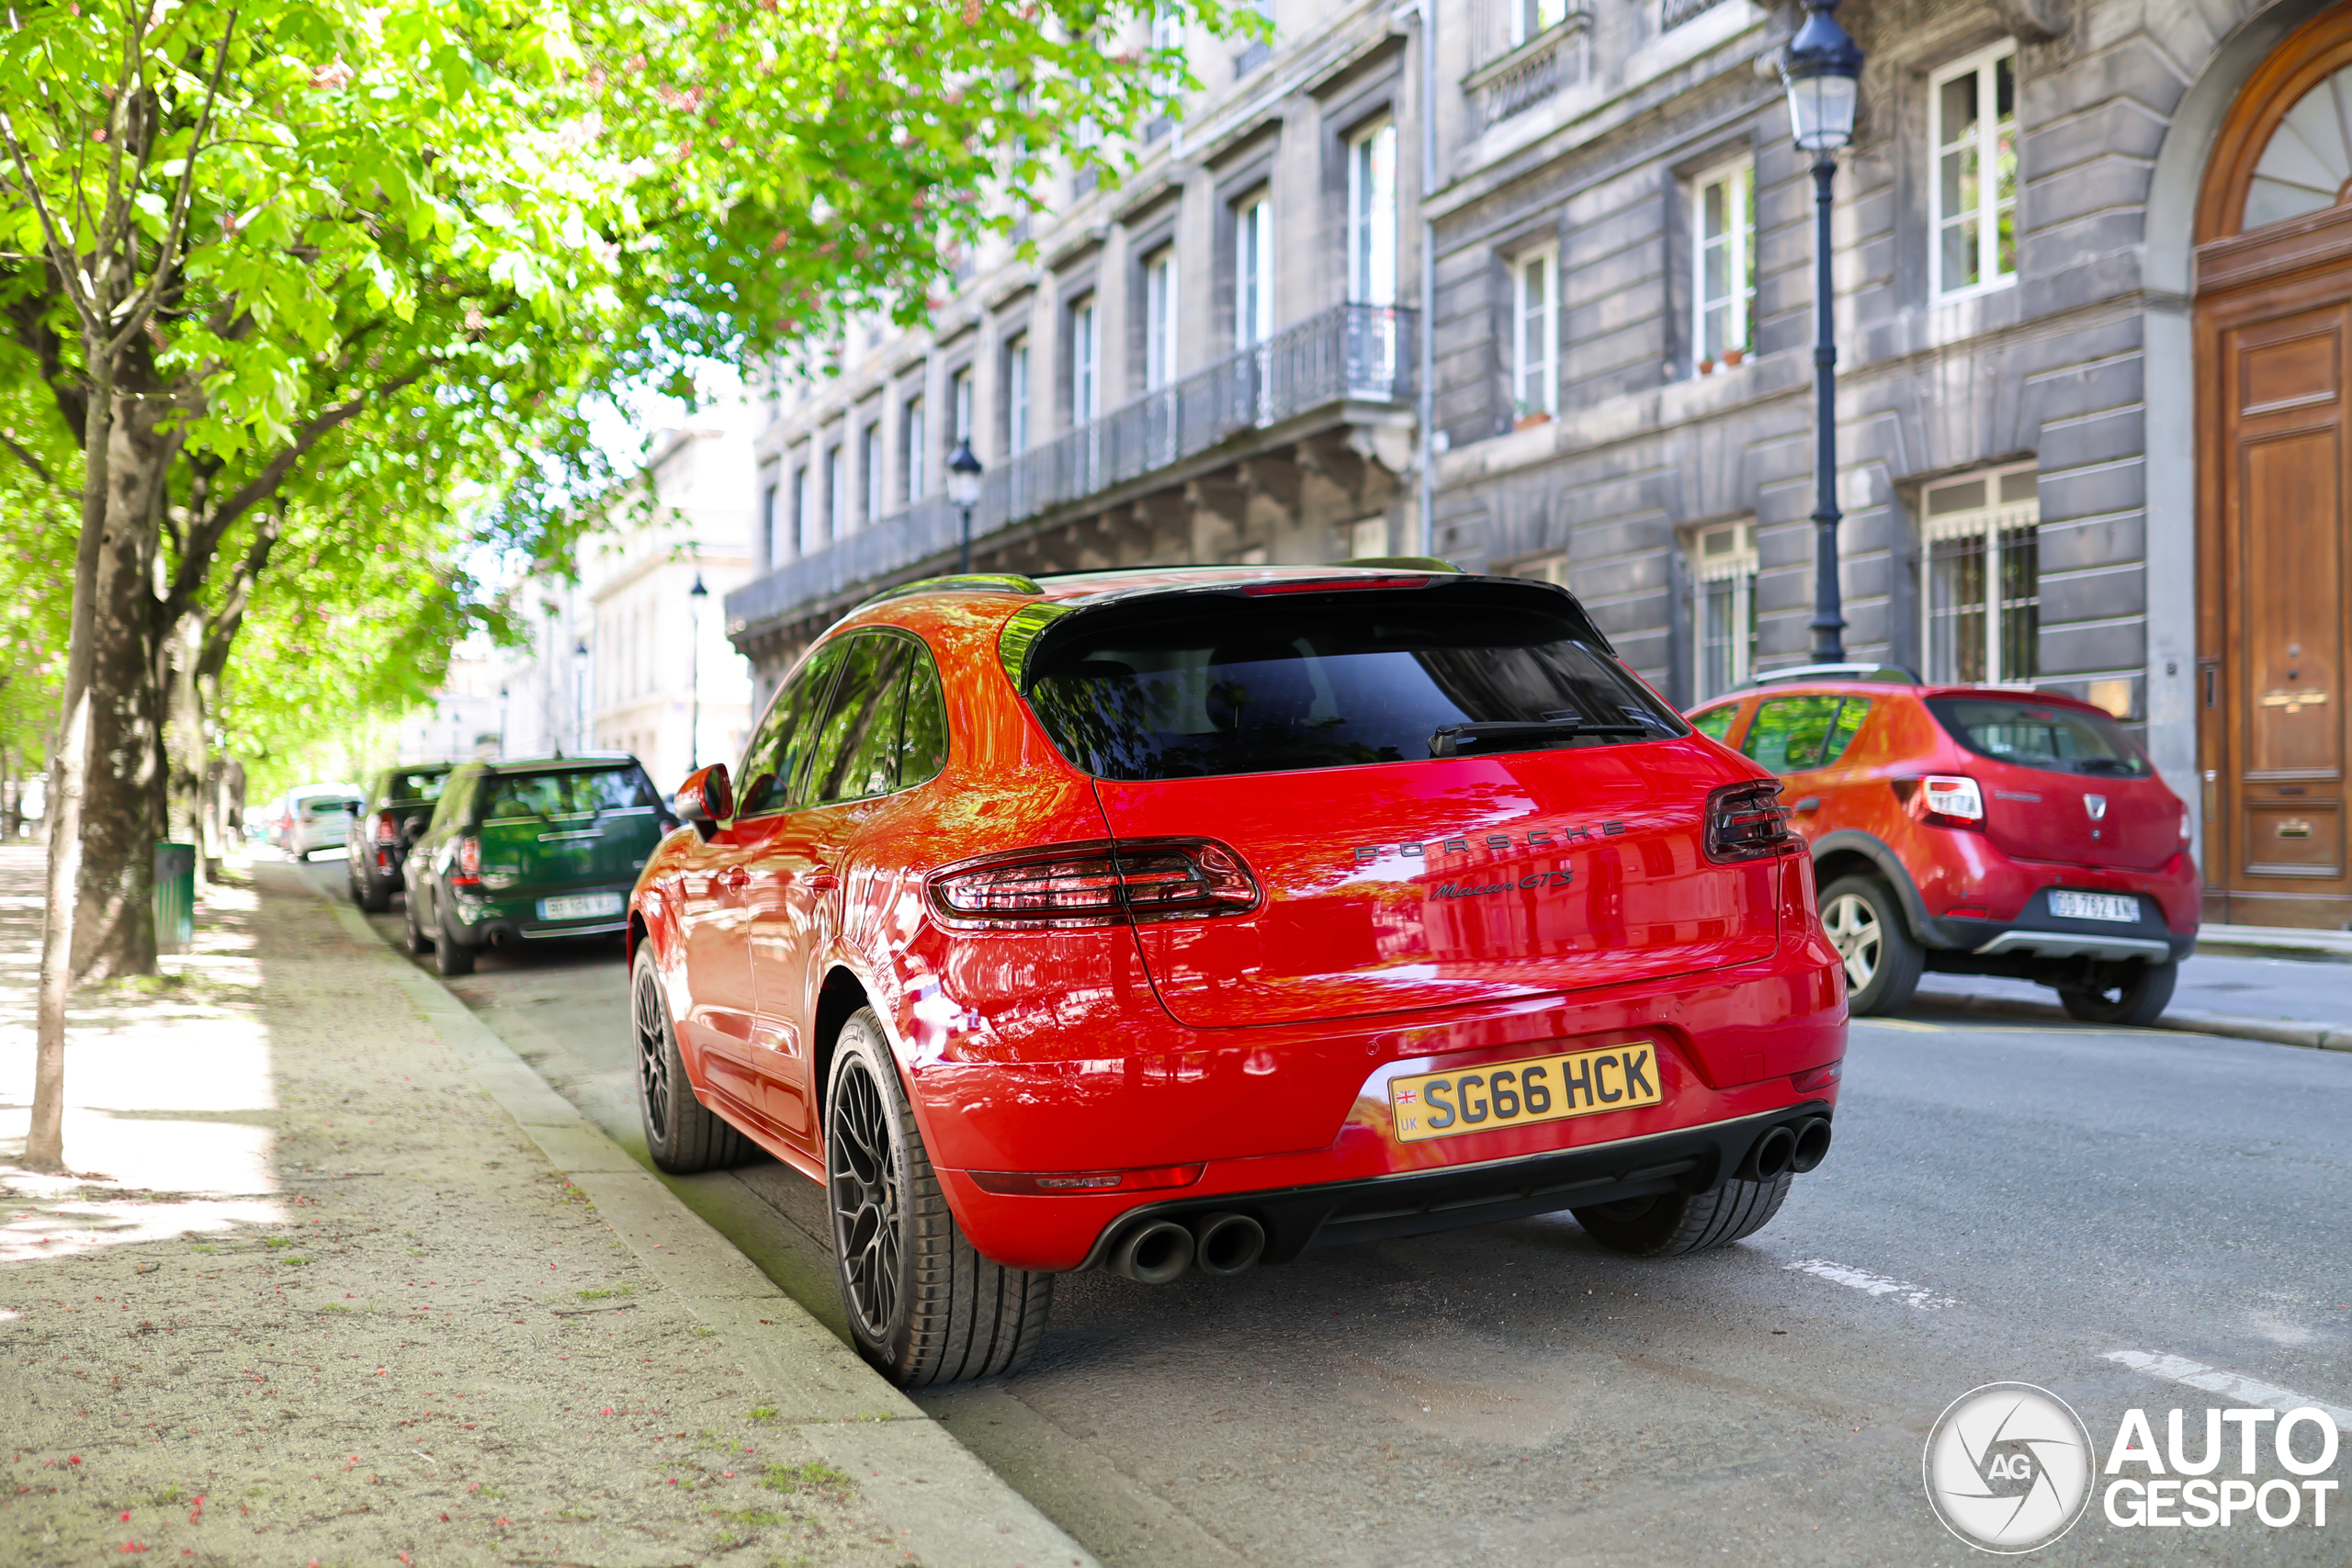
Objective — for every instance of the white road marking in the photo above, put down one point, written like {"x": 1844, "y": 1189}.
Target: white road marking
{"x": 2245, "y": 1391}
{"x": 1871, "y": 1284}
{"x": 1908, "y": 1025}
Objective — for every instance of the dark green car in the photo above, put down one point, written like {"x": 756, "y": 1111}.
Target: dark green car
{"x": 525, "y": 851}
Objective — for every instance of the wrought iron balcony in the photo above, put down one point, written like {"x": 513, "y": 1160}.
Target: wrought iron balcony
{"x": 1363, "y": 354}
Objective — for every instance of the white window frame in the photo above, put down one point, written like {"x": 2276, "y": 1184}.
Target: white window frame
{"x": 960, "y": 393}
{"x": 1989, "y": 207}
{"x": 1253, "y": 270}
{"x": 1995, "y": 527}
{"x": 1016, "y": 393}
{"x": 1532, "y": 19}
{"x": 1738, "y": 244}
{"x": 1535, "y": 377}
{"x": 804, "y": 504}
{"x": 1372, "y": 215}
{"x": 870, "y": 441}
{"x": 836, "y": 490}
{"x": 1159, "y": 318}
{"x": 1723, "y": 569}
{"x": 1085, "y": 361}
{"x": 912, "y": 439}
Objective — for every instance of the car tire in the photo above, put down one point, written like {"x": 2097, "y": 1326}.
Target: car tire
{"x": 2136, "y": 1000}
{"x": 451, "y": 956}
{"x": 681, "y": 1135}
{"x": 924, "y": 1307}
{"x": 373, "y": 896}
{"x": 1681, "y": 1223}
{"x": 1864, "y": 923}
{"x": 419, "y": 944}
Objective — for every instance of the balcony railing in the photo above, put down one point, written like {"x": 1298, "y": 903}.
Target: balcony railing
{"x": 1351, "y": 354}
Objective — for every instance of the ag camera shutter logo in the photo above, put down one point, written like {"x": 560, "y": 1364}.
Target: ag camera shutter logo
{"x": 2008, "y": 1468}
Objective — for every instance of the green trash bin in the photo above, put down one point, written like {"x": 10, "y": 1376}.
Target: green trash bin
{"x": 175, "y": 897}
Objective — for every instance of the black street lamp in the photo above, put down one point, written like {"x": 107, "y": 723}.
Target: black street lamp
{"x": 963, "y": 490}
{"x": 695, "y": 598}
{"x": 580, "y": 695}
{"x": 1823, "y": 68}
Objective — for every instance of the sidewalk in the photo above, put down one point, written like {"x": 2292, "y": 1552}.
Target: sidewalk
{"x": 318, "y": 1293}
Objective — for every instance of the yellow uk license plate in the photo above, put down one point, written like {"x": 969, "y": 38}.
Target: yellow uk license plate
{"x": 1518, "y": 1094}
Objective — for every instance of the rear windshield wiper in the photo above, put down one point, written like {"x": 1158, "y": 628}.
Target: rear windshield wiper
{"x": 1454, "y": 739}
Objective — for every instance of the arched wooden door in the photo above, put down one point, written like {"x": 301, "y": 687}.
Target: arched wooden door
{"x": 2274, "y": 355}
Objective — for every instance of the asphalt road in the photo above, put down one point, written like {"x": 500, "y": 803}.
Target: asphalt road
{"x": 2052, "y": 1204}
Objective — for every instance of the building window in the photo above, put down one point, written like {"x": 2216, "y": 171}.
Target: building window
{"x": 1085, "y": 361}
{"x": 1723, "y": 291}
{"x": 836, "y": 494}
{"x": 1533, "y": 18}
{"x": 1016, "y": 393}
{"x": 1159, "y": 318}
{"x": 959, "y": 404}
{"x": 1722, "y": 605}
{"x": 917, "y": 454}
{"x": 772, "y": 522}
{"x": 1372, "y": 217}
{"x": 1975, "y": 132}
{"x": 1253, "y": 272}
{"x": 1553, "y": 568}
{"x": 1535, "y": 309}
{"x": 870, "y": 469}
{"x": 1983, "y": 597}
{"x": 804, "y": 510}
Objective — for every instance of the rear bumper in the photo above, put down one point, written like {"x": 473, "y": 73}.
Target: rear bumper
{"x": 2036, "y": 934}
{"x": 1338, "y": 1213}
{"x": 501, "y": 921}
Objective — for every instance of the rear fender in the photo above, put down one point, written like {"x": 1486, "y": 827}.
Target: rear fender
{"x": 1847, "y": 842}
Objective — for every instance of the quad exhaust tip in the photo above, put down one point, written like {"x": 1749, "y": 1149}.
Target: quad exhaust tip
{"x": 1153, "y": 1254}
{"x": 1224, "y": 1244}
{"x": 1812, "y": 1145}
{"x": 1790, "y": 1149}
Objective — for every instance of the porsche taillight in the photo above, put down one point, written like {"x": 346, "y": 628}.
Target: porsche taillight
{"x": 1746, "y": 821}
{"x": 1095, "y": 884}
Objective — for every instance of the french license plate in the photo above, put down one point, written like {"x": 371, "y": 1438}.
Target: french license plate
{"x": 580, "y": 907}
{"x": 1518, "y": 1094}
{"x": 2066, "y": 906}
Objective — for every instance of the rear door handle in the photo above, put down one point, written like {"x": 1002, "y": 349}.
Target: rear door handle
{"x": 1810, "y": 803}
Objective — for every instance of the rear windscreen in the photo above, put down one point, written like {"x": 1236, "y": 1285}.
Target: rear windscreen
{"x": 2063, "y": 740}
{"x": 328, "y": 805}
{"x": 1294, "y": 681}
{"x": 417, "y": 786}
{"x": 513, "y": 798}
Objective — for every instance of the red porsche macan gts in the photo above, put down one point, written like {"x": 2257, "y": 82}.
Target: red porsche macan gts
{"x": 1199, "y": 916}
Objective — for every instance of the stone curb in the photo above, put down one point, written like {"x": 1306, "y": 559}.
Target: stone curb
{"x": 2278, "y": 1031}
{"x": 948, "y": 1508}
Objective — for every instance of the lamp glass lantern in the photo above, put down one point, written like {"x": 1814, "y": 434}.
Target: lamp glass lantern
{"x": 964, "y": 470}
{"x": 1821, "y": 69}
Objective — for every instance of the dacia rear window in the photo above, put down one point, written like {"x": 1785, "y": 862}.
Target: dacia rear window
{"x": 2034, "y": 735}
{"x": 1202, "y": 685}
{"x": 550, "y": 796}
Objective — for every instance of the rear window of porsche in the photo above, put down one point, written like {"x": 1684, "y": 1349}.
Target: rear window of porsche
{"x": 1231, "y": 684}
{"x": 2034, "y": 735}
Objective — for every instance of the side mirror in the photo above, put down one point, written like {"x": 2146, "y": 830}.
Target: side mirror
{"x": 705, "y": 800}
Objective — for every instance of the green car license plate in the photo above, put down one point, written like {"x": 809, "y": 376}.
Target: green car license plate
{"x": 580, "y": 907}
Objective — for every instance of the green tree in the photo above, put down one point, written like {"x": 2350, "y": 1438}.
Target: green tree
{"x": 237, "y": 235}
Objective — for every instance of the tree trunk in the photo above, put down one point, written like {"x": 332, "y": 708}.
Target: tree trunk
{"x": 185, "y": 747}
{"x": 122, "y": 792}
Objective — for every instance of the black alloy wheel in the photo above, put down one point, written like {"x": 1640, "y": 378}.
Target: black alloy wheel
{"x": 681, "y": 1135}
{"x": 2132, "y": 994}
{"x": 923, "y": 1307}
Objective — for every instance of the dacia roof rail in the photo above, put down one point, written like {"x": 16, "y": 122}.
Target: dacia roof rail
{"x": 1894, "y": 673}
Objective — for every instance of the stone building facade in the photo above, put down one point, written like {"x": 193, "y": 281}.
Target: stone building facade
{"x": 2091, "y": 306}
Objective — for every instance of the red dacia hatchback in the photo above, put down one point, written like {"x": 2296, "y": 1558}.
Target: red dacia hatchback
{"x": 1202, "y": 916}
{"x": 1978, "y": 830}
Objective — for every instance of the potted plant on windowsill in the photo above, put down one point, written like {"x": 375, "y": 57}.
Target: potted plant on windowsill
{"x": 1529, "y": 416}
{"x": 1732, "y": 357}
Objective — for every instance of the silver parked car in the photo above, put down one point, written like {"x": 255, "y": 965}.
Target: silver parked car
{"x": 319, "y": 816}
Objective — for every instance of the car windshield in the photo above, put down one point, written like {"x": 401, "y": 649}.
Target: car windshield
{"x": 1292, "y": 682}
{"x": 426, "y": 785}
{"x": 551, "y": 796}
{"x": 2034, "y": 735}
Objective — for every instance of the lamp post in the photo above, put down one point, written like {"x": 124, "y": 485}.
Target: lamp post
{"x": 1821, "y": 69}
{"x": 502, "y": 722}
{"x": 580, "y": 695}
{"x": 695, "y": 598}
{"x": 963, "y": 490}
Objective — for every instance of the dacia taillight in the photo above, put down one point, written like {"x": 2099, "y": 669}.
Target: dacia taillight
{"x": 1095, "y": 884}
{"x": 469, "y": 863}
{"x": 1942, "y": 800}
{"x": 1746, "y": 821}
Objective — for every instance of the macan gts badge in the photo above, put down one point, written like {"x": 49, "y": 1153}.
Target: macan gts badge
{"x": 1196, "y": 918}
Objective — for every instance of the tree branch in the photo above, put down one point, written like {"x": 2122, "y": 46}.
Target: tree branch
{"x": 220, "y": 627}
{"x": 136, "y": 321}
